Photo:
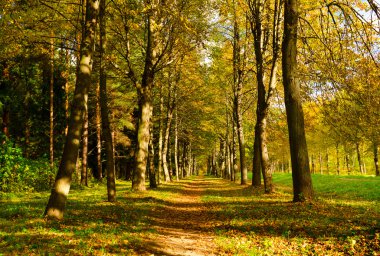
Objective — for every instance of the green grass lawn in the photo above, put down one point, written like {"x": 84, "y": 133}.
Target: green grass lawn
{"x": 343, "y": 220}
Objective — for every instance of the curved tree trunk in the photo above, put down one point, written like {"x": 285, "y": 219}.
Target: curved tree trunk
{"x": 57, "y": 201}
{"x": 302, "y": 185}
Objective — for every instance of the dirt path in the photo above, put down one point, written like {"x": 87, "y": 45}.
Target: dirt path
{"x": 184, "y": 224}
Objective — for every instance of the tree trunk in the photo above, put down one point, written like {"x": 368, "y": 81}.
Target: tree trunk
{"x": 376, "y": 159}
{"x": 169, "y": 117}
{"x": 152, "y": 169}
{"x": 256, "y": 166}
{"x": 51, "y": 142}
{"x": 83, "y": 176}
{"x": 176, "y": 135}
{"x": 360, "y": 162}
{"x": 106, "y": 128}
{"x": 145, "y": 104}
{"x": 302, "y": 184}
{"x": 98, "y": 134}
{"x": 337, "y": 159}
{"x": 327, "y": 162}
{"x": 234, "y": 155}
{"x": 160, "y": 138}
{"x": 57, "y": 201}
{"x": 320, "y": 163}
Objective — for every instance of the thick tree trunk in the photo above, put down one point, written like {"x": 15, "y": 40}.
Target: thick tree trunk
{"x": 256, "y": 166}
{"x": 106, "y": 128}
{"x": 83, "y": 176}
{"x": 57, "y": 201}
{"x": 302, "y": 184}
{"x": 145, "y": 104}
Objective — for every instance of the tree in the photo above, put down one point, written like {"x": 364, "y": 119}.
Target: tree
{"x": 266, "y": 42}
{"x": 302, "y": 184}
{"x": 57, "y": 201}
{"x": 107, "y": 134}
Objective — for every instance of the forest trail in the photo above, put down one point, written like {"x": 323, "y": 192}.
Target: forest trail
{"x": 185, "y": 224}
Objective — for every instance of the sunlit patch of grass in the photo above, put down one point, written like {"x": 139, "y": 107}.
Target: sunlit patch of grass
{"x": 91, "y": 225}
{"x": 345, "y": 224}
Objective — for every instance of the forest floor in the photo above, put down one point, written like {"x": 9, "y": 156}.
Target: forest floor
{"x": 199, "y": 216}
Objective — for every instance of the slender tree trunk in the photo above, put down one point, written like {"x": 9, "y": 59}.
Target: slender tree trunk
{"x": 83, "y": 176}
{"x": 327, "y": 162}
{"x": 348, "y": 164}
{"x": 320, "y": 163}
{"x": 106, "y": 128}
{"x": 57, "y": 201}
{"x": 312, "y": 164}
{"x": 98, "y": 134}
{"x": 238, "y": 90}
{"x": 376, "y": 159}
{"x": 176, "y": 135}
{"x": 169, "y": 117}
{"x": 160, "y": 138}
{"x": 360, "y": 161}
{"x": 302, "y": 184}
{"x": 337, "y": 159}
{"x": 67, "y": 92}
{"x": 234, "y": 155}
{"x": 152, "y": 170}
{"x": 51, "y": 148}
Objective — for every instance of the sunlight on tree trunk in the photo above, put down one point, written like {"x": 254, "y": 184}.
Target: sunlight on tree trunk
{"x": 57, "y": 201}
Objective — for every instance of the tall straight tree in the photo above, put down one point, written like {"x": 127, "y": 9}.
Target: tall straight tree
{"x": 107, "y": 134}
{"x": 238, "y": 91}
{"x": 302, "y": 185}
{"x": 144, "y": 91}
{"x": 266, "y": 43}
{"x": 58, "y": 197}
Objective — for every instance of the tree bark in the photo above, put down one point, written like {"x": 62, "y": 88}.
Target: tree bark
{"x": 176, "y": 135}
{"x": 83, "y": 176}
{"x": 238, "y": 90}
{"x": 360, "y": 162}
{"x": 152, "y": 169}
{"x": 256, "y": 166}
{"x": 337, "y": 159}
{"x": 106, "y": 127}
{"x": 160, "y": 136}
{"x": 57, "y": 201}
{"x": 98, "y": 134}
{"x": 169, "y": 117}
{"x": 51, "y": 142}
{"x": 302, "y": 184}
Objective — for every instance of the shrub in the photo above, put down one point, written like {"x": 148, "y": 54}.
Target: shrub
{"x": 21, "y": 174}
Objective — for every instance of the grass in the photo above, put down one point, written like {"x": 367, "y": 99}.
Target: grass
{"x": 91, "y": 225}
{"x": 343, "y": 220}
